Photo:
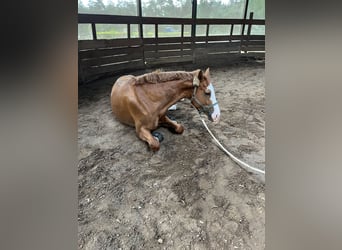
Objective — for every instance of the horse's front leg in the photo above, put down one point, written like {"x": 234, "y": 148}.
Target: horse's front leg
{"x": 168, "y": 123}
{"x": 145, "y": 135}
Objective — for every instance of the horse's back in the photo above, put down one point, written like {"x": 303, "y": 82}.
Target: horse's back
{"x": 122, "y": 83}
{"x": 121, "y": 94}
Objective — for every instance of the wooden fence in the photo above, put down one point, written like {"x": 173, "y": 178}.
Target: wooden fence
{"x": 102, "y": 56}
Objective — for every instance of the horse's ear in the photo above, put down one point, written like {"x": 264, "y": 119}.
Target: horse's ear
{"x": 199, "y": 74}
{"x": 207, "y": 74}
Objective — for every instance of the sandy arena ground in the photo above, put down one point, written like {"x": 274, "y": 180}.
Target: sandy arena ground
{"x": 188, "y": 195}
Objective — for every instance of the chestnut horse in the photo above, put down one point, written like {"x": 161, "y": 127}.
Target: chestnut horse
{"x": 142, "y": 101}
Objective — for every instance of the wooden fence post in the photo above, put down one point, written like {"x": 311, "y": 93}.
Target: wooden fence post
{"x": 93, "y": 30}
{"x": 193, "y": 29}
{"x": 249, "y": 31}
{"x": 141, "y": 31}
{"x": 243, "y": 25}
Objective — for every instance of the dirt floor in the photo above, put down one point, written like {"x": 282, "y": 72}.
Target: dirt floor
{"x": 188, "y": 195}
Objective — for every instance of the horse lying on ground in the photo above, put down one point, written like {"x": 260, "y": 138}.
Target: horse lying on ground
{"x": 142, "y": 101}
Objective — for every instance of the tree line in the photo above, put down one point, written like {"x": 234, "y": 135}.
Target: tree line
{"x": 175, "y": 8}
{"x": 169, "y": 8}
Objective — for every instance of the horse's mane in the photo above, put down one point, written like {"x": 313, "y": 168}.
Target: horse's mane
{"x": 159, "y": 77}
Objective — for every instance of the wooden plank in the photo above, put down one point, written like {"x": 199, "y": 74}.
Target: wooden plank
{"x": 229, "y": 21}
{"x": 116, "y": 19}
{"x": 168, "y": 60}
{"x": 114, "y": 68}
{"x": 251, "y": 42}
{"x": 110, "y": 59}
{"x": 109, "y": 52}
{"x": 104, "y": 43}
{"x": 217, "y": 60}
{"x": 166, "y": 20}
{"x": 212, "y": 57}
{"x": 199, "y": 39}
{"x": 154, "y": 54}
{"x": 216, "y": 38}
{"x": 253, "y": 54}
{"x": 206, "y": 51}
{"x": 253, "y": 48}
{"x": 166, "y": 40}
{"x": 149, "y": 47}
{"x": 119, "y": 19}
{"x": 221, "y": 45}
{"x": 227, "y": 38}
{"x": 215, "y": 51}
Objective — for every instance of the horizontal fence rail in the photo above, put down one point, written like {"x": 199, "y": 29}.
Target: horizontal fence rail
{"x": 102, "y": 56}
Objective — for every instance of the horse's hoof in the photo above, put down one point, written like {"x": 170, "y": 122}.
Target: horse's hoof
{"x": 158, "y": 136}
{"x": 179, "y": 129}
{"x": 155, "y": 148}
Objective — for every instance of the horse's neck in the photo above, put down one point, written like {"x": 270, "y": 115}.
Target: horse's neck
{"x": 177, "y": 91}
{"x": 169, "y": 93}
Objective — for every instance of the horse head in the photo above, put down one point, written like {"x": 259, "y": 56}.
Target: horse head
{"x": 203, "y": 97}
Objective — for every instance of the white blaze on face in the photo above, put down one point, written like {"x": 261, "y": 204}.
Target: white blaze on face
{"x": 216, "y": 114}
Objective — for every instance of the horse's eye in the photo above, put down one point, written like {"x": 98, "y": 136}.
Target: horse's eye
{"x": 207, "y": 93}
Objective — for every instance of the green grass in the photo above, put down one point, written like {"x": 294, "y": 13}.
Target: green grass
{"x": 134, "y": 34}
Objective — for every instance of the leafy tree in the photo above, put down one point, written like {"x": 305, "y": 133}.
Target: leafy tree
{"x": 258, "y": 7}
{"x": 172, "y": 8}
{"x": 97, "y": 6}
{"x": 81, "y": 7}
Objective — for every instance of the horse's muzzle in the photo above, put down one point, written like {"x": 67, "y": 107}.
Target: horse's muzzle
{"x": 215, "y": 115}
{"x": 211, "y": 112}
{"x": 208, "y": 110}
{"x": 210, "y": 118}
{"x": 214, "y": 118}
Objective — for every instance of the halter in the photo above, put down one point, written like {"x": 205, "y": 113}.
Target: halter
{"x": 202, "y": 108}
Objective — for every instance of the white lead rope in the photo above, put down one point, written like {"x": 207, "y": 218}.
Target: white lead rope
{"x": 239, "y": 162}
